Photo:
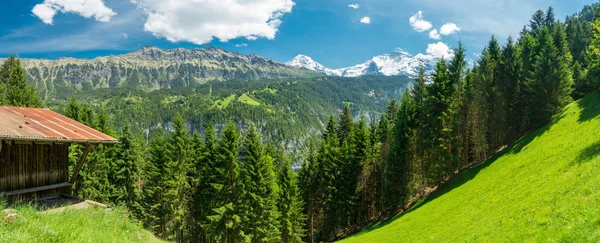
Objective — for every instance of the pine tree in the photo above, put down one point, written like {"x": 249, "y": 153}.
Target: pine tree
{"x": 398, "y": 167}
{"x": 345, "y": 125}
{"x": 125, "y": 176}
{"x": 329, "y": 155}
{"x": 155, "y": 173}
{"x": 208, "y": 185}
{"x": 290, "y": 203}
{"x": 537, "y": 22}
{"x": 226, "y": 216}
{"x": 509, "y": 84}
{"x": 593, "y": 53}
{"x": 552, "y": 83}
{"x": 259, "y": 190}
{"x": 312, "y": 193}
{"x": 17, "y": 91}
{"x": 176, "y": 185}
{"x": 439, "y": 123}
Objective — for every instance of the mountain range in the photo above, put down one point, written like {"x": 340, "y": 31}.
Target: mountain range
{"x": 151, "y": 68}
{"x": 399, "y": 62}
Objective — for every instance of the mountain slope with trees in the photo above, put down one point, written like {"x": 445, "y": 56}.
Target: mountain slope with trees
{"x": 541, "y": 188}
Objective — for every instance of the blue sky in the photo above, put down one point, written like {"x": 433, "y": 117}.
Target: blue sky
{"x": 330, "y": 31}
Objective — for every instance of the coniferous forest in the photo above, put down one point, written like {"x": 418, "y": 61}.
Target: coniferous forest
{"x": 232, "y": 184}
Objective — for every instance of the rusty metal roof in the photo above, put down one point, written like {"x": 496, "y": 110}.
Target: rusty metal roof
{"x": 36, "y": 124}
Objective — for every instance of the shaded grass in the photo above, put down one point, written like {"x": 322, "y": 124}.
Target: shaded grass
{"x": 543, "y": 188}
{"x": 86, "y": 225}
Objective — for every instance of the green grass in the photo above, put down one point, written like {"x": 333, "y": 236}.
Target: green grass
{"x": 223, "y": 103}
{"x": 244, "y": 98}
{"x": 543, "y": 188}
{"x": 86, "y": 225}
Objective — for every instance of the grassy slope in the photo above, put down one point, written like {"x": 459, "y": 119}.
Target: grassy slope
{"x": 543, "y": 188}
{"x": 88, "y": 225}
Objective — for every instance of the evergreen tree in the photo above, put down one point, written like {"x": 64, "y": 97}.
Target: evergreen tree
{"x": 17, "y": 91}
{"x": 177, "y": 188}
{"x": 312, "y": 193}
{"x": 209, "y": 182}
{"x": 226, "y": 216}
{"x": 509, "y": 86}
{"x": 259, "y": 191}
{"x": 398, "y": 167}
{"x": 552, "y": 83}
{"x": 155, "y": 177}
{"x": 345, "y": 126}
{"x": 537, "y": 22}
{"x": 290, "y": 203}
{"x": 125, "y": 176}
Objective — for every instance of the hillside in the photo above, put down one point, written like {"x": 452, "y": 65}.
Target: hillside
{"x": 152, "y": 68}
{"x": 291, "y": 110}
{"x": 88, "y": 225}
{"x": 542, "y": 188}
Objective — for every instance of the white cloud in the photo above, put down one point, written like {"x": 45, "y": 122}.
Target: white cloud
{"x": 434, "y": 35}
{"x": 449, "y": 28}
{"x": 251, "y": 38}
{"x": 241, "y": 45}
{"x": 418, "y": 23}
{"x": 365, "y": 20}
{"x": 439, "y": 50}
{"x": 86, "y": 8}
{"x": 354, "y": 6}
{"x": 125, "y": 36}
{"x": 200, "y": 21}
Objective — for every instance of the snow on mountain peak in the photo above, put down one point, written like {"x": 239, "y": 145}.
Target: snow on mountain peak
{"x": 399, "y": 62}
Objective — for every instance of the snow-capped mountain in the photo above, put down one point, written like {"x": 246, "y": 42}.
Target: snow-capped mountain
{"x": 303, "y": 61}
{"x": 398, "y": 62}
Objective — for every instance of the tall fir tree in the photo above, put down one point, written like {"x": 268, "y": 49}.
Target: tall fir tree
{"x": 398, "y": 168}
{"x": 259, "y": 193}
{"x": 289, "y": 203}
{"x": 17, "y": 92}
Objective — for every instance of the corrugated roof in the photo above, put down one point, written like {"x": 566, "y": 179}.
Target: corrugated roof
{"x": 36, "y": 124}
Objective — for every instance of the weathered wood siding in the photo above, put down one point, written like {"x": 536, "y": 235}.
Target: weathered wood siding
{"x": 32, "y": 165}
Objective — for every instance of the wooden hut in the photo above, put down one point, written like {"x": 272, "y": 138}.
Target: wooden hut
{"x": 34, "y": 151}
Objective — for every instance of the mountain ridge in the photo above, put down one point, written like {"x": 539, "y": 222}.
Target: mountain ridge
{"x": 153, "y": 68}
{"x": 399, "y": 62}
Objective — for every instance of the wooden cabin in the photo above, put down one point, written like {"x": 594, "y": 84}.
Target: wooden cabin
{"x": 34, "y": 149}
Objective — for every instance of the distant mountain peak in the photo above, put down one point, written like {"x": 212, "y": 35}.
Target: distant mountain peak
{"x": 399, "y": 62}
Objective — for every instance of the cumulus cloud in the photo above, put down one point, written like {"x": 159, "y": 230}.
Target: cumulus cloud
{"x": 200, "y": 21}
{"x": 418, "y": 23}
{"x": 434, "y": 35}
{"x": 449, "y": 28}
{"x": 354, "y": 6}
{"x": 86, "y": 8}
{"x": 365, "y": 20}
{"x": 439, "y": 50}
{"x": 241, "y": 45}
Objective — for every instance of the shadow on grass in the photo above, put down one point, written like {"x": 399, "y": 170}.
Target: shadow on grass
{"x": 590, "y": 107}
{"x": 589, "y": 153}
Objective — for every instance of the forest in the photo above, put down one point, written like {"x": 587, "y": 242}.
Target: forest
{"x": 219, "y": 181}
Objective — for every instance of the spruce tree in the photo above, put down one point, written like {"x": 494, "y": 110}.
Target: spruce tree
{"x": 226, "y": 216}
{"x": 125, "y": 176}
{"x": 290, "y": 203}
{"x": 552, "y": 83}
{"x": 397, "y": 172}
{"x": 17, "y": 91}
{"x": 259, "y": 190}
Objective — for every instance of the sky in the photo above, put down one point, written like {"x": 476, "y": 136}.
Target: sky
{"x": 336, "y": 33}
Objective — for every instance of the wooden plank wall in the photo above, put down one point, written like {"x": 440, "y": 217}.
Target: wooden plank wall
{"x": 32, "y": 165}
